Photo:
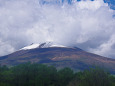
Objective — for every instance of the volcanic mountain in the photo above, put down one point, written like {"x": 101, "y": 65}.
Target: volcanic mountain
{"x": 58, "y": 56}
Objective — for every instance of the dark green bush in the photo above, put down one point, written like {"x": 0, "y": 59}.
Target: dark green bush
{"x": 42, "y": 75}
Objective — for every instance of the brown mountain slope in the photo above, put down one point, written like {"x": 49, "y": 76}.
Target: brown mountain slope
{"x": 60, "y": 57}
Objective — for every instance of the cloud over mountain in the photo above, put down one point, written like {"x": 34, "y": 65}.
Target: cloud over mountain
{"x": 87, "y": 24}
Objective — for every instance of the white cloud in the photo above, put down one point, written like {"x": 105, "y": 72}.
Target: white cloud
{"x": 86, "y": 24}
{"x": 5, "y": 48}
{"x": 106, "y": 49}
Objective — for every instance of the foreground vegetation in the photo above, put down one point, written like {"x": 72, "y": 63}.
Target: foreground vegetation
{"x": 42, "y": 75}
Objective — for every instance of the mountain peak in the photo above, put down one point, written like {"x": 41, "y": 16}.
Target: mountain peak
{"x": 41, "y": 45}
{"x": 31, "y": 46}
{"x": 58, "y": 56}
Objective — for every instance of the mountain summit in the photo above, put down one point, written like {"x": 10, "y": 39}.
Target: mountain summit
{"x": 58, "y": 56}
{"x": 42, "y": 45}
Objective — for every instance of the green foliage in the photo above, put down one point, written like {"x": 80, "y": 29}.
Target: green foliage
{"x": 34, "y": 75}
{"x": 65, "y": 75}
{"x": 41, "y": 75}
{"x": 93, "y": 77}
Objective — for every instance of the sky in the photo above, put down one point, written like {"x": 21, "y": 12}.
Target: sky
{"x": 89, "y": 25}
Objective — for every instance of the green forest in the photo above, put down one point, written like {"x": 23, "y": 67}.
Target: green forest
{"x": 42, "y": 75}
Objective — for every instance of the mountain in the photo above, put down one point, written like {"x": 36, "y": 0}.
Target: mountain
{"x": 58, "y": 56}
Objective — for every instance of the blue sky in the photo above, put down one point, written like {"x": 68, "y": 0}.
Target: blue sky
{"x": 110, "y": 2}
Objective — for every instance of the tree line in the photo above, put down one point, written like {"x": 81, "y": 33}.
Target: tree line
{"x": 42, "y": 75}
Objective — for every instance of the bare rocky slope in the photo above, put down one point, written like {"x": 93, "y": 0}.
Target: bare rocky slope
{"x": 59, "y": 57}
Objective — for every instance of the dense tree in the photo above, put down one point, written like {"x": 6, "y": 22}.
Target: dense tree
{"x": 92, "y": 77}
{"x": 65, "y": 75}
{"x": 41, "y": 75}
